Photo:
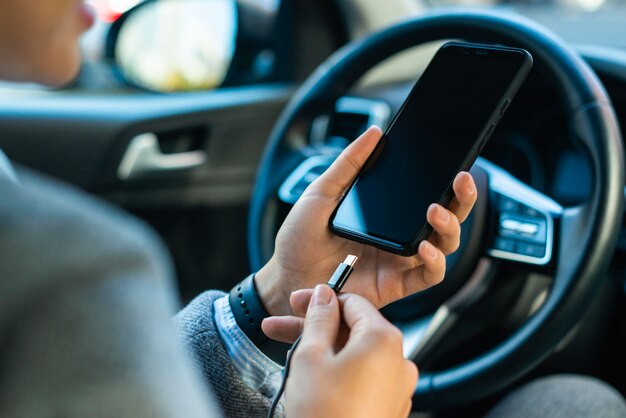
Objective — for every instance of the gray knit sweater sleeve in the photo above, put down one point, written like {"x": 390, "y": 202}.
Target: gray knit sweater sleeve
{"x": 197, "y": 328}
{"x": 86, "y": 299}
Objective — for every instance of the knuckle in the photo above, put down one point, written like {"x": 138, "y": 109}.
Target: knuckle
{"x": 454, "y": 227}
{"x": 319, "y": 316}
{"x": 350, "y": 161}
{"x": 435, "y": 280}
{"x": 412, "y": 372}
{"x": 453, "y": 246}
{"x": 437, "y": 276}
{"x": 308, "y": 353}
{"x": 387, "y": 336}
{"x": 319, "y": 320}
{"x": 442, "y": 266}
{"x": 395, "y": 335}
{"x": 407, "y": 407}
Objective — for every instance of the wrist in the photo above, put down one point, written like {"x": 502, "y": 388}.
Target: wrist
{"x": 272, "y": 289}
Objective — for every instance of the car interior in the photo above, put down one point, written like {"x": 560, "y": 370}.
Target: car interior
{"x": 208, "y": 119}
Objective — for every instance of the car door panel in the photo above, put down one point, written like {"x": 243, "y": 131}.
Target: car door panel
{"x": 200, "y": 212}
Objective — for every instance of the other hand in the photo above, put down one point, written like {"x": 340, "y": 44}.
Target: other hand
{"x": 307, "y": 252}
{"x": 367, "y": 377}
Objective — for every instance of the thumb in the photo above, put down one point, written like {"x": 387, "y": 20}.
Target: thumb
{"x": 321, "y": 324}
{"x": 342, "y": 172}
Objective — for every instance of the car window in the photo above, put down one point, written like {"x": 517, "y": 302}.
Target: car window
{"x": 598, "y": 22}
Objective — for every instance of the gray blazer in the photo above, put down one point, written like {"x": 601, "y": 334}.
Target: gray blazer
{"x": 86, "y": 300}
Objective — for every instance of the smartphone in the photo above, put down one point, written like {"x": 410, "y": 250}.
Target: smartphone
{"x": 438, "y": 132}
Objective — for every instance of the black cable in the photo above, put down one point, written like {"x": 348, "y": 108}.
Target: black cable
{"x": 336, "y": 282}
{"x": 281, "y": 390}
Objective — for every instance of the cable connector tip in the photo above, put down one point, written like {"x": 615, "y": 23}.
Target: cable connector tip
{"x": 351, "y": 260}
{"x": 340, "y": 276}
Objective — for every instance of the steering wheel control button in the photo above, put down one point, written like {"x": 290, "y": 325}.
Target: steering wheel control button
{"x": 509, "y": 205}
{"x": 528, "y": 228}
{"x": 522, "y": 227}
{"x": 305, "y": 174}
{"x": 519, "y": 227}
{"x": 530, "y": 250}
{"x": 522, "y": 232}
{"x": 504, "y": 244}
{"x": 527, "y": 210}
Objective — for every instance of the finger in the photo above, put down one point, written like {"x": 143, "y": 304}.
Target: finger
{"x": 358, "y": 312}
{"x": 409, "y": 383}
{"x": 465, "y": 194}
{"x": 369, "y": 330}
{"x": 446, "y": 228}
{"x": 338, "y": 177}
{"x": 285, "y": 329}
{"x": 434, "y": 263}
{"x": 412, "y": 375}
{"x": 430, "y": 273}
{"x": 321, "y": 324}
{"x": 406, "y": 409}
{"x": 299, "y": 301}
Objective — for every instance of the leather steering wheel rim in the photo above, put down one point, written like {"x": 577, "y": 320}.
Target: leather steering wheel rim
{"x": 6, "y": 168}
{"x": 587, "y": 233}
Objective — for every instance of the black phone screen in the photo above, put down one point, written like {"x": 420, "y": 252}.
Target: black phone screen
{"x": 428, "y": 141}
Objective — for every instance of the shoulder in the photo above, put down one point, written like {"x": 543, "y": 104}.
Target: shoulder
{"x": 53, "y": 235}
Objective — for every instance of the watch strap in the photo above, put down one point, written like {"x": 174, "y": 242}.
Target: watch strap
{"x": 249, "y": 312}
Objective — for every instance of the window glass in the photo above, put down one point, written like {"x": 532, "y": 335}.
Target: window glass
{"x": 598, "y": 22}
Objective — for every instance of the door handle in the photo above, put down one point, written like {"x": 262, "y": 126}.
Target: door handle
{"x": 144, "y": 157}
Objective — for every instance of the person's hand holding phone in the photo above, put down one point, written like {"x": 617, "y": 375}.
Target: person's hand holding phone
{"x": 367, "y": 377}
{"x": 307, "y": 252}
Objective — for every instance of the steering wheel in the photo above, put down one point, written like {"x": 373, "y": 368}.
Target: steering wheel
{"x": 527, "y": 227}
{"x": 6, "y": 169}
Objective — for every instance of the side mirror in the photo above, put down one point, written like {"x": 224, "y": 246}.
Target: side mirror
{"x": 175, "y": 45}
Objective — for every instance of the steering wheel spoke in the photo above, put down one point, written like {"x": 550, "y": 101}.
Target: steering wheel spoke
{"x": 523, "y": 219}
{"x": 423, "y": 338}
{"x": 304, "y": 174}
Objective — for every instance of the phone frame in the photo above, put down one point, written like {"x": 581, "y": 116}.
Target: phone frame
{"x": 410, "y": 248}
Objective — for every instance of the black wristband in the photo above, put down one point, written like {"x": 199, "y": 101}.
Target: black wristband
{"x": 249, "y": 312}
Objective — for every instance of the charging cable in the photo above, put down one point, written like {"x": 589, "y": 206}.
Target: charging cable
{"x": 336, "y": 282}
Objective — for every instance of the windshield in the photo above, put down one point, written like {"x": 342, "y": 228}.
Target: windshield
{"x": 583, "y": 22}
